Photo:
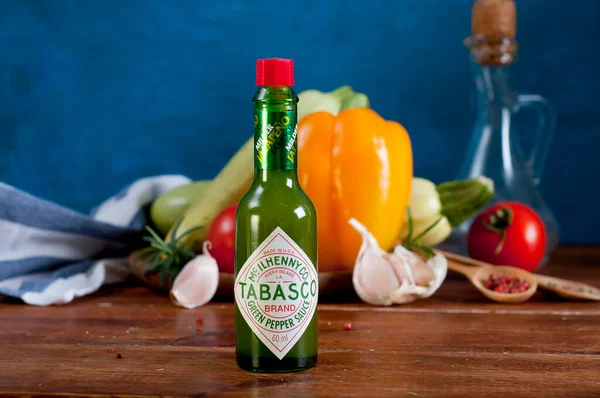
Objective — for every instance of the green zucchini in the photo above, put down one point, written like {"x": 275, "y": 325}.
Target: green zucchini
{"x": 463, "y": 199}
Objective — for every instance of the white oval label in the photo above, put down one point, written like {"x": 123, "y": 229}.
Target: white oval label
{"x": 276, "y": 291}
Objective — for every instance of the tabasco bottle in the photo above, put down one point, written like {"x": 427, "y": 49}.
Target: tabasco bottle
{"x": 276, "y": 285}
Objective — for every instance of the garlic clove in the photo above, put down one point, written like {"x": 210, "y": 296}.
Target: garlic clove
{"x": 439, "y": 265}
{"x": 196, "y": 284}
{"x": 400, "y": 277}
{"x": 373, "y": 284}
{"x": 422, "y": 273}
{"x": 408, "y": 293}
{"x": 373, "y": 276}
{"x": 401, "y": 271}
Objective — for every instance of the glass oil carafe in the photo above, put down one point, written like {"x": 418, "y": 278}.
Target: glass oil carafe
{"x": 495, "y": 150}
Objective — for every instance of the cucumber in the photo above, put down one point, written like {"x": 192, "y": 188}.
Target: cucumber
{"x": 167, "y": 209}
{"x": 463, "y": 199}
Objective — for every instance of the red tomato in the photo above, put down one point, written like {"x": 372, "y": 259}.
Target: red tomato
{"x": 508, "y": 233}
{"x": 222, "y": 236}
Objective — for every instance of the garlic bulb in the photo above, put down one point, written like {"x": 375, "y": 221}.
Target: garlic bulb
{"x": 400, "y": 277}
{"x": 197, "y": 282}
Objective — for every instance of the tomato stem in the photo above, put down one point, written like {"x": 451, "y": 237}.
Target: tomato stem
{"x": 498, "y": 223}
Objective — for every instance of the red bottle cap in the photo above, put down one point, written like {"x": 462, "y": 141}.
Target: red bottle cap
{"x": 275, "y": 72}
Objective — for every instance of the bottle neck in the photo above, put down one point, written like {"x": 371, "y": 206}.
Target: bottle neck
{"x": 492, "y": 58}
{"x": 275, "y": 131}
{"x": 493, "y": 88}
{"x": 288, "y": 178}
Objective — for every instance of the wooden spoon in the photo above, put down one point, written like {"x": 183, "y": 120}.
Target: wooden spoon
{"x": 568, "y": 289}
{"x": 478, "y": 275}
{"x": 562, "y": 287}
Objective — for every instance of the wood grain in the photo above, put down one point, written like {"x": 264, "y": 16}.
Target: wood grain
{"x": 454, "y": 344}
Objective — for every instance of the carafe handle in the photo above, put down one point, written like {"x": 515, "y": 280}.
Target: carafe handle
{"x": 545, "y": 131}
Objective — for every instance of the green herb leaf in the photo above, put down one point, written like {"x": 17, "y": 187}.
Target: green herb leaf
{"x": 153, "y": 268}
{"x": 429, "y": 228}
{"x": 156, "y": 237}
{"x": 166, "y": 258}
{"x": 414, "y": 244}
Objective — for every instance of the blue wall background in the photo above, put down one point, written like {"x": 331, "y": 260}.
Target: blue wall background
{"x": 94, "y": 94}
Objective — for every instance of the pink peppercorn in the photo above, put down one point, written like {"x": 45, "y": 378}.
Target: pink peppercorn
{"x": 506, "y": 284}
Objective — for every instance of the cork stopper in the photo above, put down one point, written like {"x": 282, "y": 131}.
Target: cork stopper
{"x": 493, "y": 28}
{"x": 494, "y": 19}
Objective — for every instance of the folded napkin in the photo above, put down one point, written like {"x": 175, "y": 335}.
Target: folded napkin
{"x": 50, "y": 254}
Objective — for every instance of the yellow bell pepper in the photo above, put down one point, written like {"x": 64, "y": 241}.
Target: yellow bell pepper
{"x": 354, "y": 165}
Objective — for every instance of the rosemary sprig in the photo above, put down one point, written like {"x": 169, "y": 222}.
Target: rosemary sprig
{"x": 414, "y": 243}
{"x": 166, "y": 258}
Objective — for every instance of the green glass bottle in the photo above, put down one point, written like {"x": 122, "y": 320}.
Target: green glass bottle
{"x": 276, "y": 285}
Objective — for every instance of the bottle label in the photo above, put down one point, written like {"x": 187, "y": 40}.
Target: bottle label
{"x": 275, "y": 140}
{"x": 276, "y": 291}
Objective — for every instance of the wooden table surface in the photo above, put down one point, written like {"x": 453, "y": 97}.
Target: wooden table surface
{"x": 453, "y": 344}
